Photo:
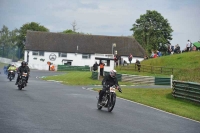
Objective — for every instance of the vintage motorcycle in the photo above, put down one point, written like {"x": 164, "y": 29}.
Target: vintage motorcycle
{"x": 108, "y": 99}
{"x": 11, "y": 75}
{"x": 22, "y": 81}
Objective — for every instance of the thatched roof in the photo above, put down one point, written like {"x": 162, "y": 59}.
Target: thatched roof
{"x": 67, "y": 43}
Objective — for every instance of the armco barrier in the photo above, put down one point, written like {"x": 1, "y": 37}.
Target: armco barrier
{"x": 73, "y": 68}
{"x": 162, "y": 81}
{"x": 94, "y": 75}
{"x": 186, "y": 90}
{"x": 137, "y": 79}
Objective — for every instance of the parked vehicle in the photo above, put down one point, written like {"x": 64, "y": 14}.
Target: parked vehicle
{"x": 22, "y": 81}
{"x": 108, "y": 99}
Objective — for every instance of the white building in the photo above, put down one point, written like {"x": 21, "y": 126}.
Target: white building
{"x": 77, "y": 49}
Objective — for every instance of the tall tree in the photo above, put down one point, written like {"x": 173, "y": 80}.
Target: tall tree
{"x": 23, "y": 30}
{"x": 69, "y": 31}
{"x": 152, "y": 31}
{"x": 8, "y": 40}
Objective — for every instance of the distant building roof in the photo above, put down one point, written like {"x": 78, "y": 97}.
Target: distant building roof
{"x": 79, "y": 43}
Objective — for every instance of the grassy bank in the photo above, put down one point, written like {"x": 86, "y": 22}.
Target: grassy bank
{"x": 186, "y": 66}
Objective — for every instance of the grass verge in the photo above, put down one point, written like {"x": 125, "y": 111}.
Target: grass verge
{"x": 2, "y": 65}
{"x": 163, "y": 100}
{"x": 78, "y": 78}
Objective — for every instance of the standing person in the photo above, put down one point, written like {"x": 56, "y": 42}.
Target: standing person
{"x": 188, "y": 46}
{"x": 169, "y": 50}
{"x": 130, "y": 57}
{"x": 152, "y": 53}
{"x": 95, "y": 66}
{"x": 20, "y": 71}
{"x": 138, "y": 64}
{"x": 101, "y": 64}
{"x": 191, "y": 46}
{"x": 49, "y": 63}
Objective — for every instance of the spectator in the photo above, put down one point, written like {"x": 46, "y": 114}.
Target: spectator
{"x": 152, "y": 54}
{"x": 138, "y": 64}
{"x": 155, "y": 55}
{"x": 159, "y": 53}
{"x": 177, "y": 49}
{"x": 130, "y": 57}
{"x": 146, "y": 57}
{"x": 49, "y": 64}
{"x": 52, "y": 67}
{"x": 116, "y": 60}
{"x": 95, "y": 66}
{"x": 101, "y": 64}
{"x": 188, "y": 46}
{"x": 191, "y": 46}
{"x": 169, "y": 50}
{"x": 172, "y": 49}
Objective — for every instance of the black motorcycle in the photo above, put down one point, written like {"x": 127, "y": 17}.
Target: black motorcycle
{"x": 108, "y": 99}
{"x": 22, "y": 81}
{"x": 11, "y": 75}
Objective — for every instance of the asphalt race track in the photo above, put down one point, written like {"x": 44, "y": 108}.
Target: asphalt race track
{"x": 51, "y": 107}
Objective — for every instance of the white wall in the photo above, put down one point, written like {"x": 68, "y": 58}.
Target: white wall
{"x": 5, "y": 60}
{"x": 77, "y": 60}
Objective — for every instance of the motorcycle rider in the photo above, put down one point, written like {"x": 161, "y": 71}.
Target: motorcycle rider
{"x": 20, "y": 71}
{"x": 7, "y": 68}
{"x": 108, "y": 81}
{"x": 28, "y": 72}
{"x": 12, "y": 68}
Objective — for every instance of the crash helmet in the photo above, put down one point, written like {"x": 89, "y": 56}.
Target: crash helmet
{"x": 23, "y": 63}
{"x": 27, "y": 63}
{"x": 113, "y": 73}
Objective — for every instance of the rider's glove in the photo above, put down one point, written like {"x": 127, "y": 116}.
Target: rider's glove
{"x": 119, "y": 89}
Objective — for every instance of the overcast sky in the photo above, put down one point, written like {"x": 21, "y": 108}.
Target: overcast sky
{"x": 103, "y": 17}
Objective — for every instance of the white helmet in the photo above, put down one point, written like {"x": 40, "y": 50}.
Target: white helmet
{"x": 113, "y": 73}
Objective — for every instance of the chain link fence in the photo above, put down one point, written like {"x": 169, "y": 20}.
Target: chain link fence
{"x": 12, "y": 53}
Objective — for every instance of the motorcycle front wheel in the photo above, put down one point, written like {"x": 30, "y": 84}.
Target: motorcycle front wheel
{"x": 111, "y": 102}
{"x": 10, "y": 78}
{"x": 20, "y": 85}
{"x": 99, "y": 107}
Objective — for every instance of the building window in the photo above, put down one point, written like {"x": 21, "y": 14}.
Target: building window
{"x": 85, "y": 56}
{"x": 62, "y": 54}
{"x": 38, "y": 53}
